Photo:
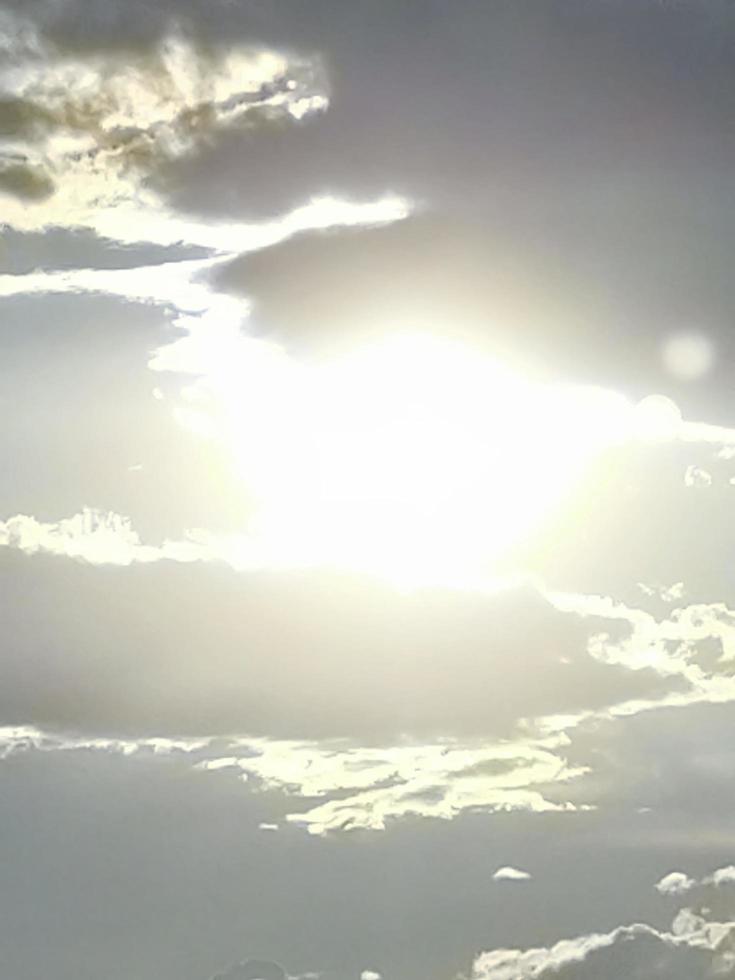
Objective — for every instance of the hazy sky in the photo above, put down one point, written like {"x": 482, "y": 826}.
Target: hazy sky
{"x": 366, "y": 585}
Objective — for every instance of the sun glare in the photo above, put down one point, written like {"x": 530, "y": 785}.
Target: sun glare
{"x": 414, "y": 458}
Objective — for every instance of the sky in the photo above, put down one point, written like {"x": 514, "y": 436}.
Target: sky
{"x": 366, "y": 590}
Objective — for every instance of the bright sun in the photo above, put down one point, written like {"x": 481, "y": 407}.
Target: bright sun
{"x": 415, "y": 458}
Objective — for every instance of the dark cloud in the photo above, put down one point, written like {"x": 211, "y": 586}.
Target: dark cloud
{"x": 592, "y": 306}
{"x": 136, "y": 111}
{"x": 201, "y": 649}
{"x": 24, "y": 118}
{"x": 331, "y": 289}
{"x": 30, "y": 183}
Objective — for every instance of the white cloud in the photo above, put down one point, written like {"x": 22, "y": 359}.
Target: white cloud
{"x": 100, "y": 538}
{"x": 695, "y": 476}
{"x": 668, "y": 594}
{"x": 670, "y": 646}
{"x": 696, "y": 945}
{"x": 366, "y": 788}
{"x": 212, "y": 765}
{"x": 511, "y": 874}
{"x": 427, "y": 780}
{"x": 516, "y": 964}
{"x": 22, "y": 738}
{"x": 675, "y": 883}
{"x": 722, "y": 876}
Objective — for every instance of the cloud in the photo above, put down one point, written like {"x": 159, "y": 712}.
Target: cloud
{"x": 172, "y": 283}
{"x": 331, "y": 786}
{"x": 556, "y": 961}
{"x": 722, "y": 876}
{"x": 180, "y": 646}
{"x": 84, "y": 135}
{"x": 24, "y": 738}
{"x": 668, "y": 594}
{"x": 189, "y": 93}
{"x": 695, "y": 642}
{"x": 697, "y": 945}
{"x": 368, "y": 787}
{"x": 675, "y": 883}
{"x": 88, "y": 132}
{"x": 316, "y": 294}
{"x": 126, "y": 117}
{"x": 95, "y": 537}
{"x": 695, "y": 476}
{"x": 195, "y": 647}
{"x": 24, "y": 180}
{"x": 511, "y": 874}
